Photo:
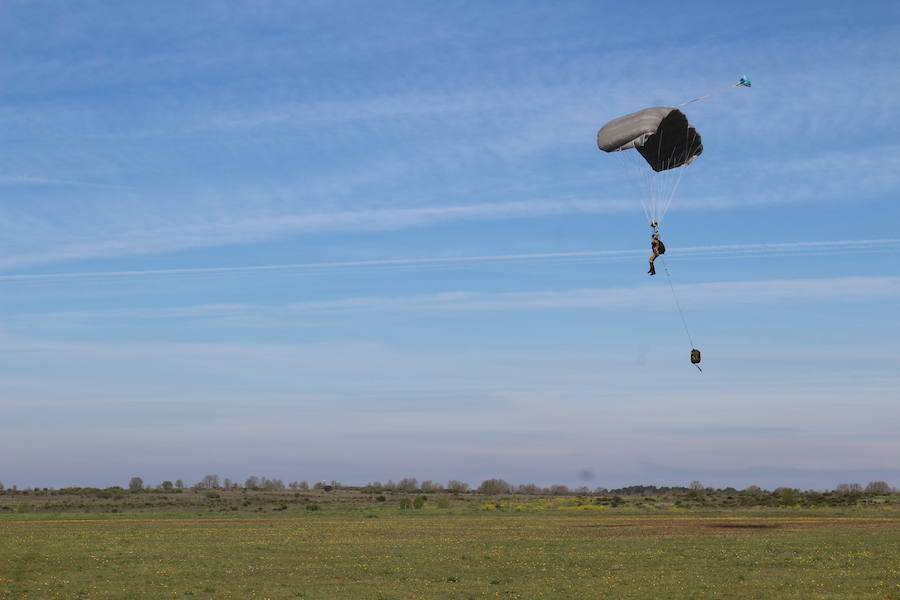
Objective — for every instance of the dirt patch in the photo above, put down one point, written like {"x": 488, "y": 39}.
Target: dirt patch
{"x": 745, "y": 525}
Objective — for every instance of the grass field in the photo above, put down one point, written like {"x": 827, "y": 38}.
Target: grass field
{"x": 379, "y": 552}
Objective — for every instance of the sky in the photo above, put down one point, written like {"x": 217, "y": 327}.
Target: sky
{"x": 353, "y": 241}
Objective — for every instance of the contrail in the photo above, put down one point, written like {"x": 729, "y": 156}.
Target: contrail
{"x": 733, "y": 250}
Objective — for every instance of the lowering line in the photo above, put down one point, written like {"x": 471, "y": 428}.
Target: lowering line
{"x": 745, "y": 82}
{"x": 680, "y": 312}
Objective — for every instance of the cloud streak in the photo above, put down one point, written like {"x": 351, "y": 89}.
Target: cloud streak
{"x": 643, "y": 297}
{"x": 817, "y": 248}
{"x": 844, "y": 289}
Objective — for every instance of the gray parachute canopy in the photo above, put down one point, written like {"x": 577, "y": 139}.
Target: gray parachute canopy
{"x": 661, "y": 134}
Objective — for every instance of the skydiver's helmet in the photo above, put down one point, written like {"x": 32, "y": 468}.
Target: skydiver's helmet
{"x": 655, "y": 235}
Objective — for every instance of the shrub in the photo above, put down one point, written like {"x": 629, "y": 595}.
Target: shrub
{"x": 419, "y": 502}
{"x": 405, "y": 503}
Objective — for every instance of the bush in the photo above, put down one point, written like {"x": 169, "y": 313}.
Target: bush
{"x": 443, "y": 503}
{"x": 405, "y": 503}
{"x": 312, "y": 507}
{"x": 419, "y": 502}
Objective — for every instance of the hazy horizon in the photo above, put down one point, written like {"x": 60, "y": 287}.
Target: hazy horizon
{"x": 356, "y": 242}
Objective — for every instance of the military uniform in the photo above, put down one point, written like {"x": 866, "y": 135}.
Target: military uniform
{"x": 654, "y": 246}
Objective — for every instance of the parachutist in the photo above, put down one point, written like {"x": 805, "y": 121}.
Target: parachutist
{"x": 657, "y": 247}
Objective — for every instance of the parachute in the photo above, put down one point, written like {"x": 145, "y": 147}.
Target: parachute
{"x": 662, "y": 135}
{"x": 665, "y": 140}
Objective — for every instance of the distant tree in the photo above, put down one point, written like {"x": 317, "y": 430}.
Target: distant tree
{"x": 601, "y": 491}
{"x": 210, "y": 481}
{"x": 390, "y": 485}
{"x": 303, "y": 486}
{"x": 848, "y": 488}
{"x": 754, "y": 490}
{"x": 1, "y": 486}
{"x": 878, "y": 487}
{"x": 789, "y": 496}
{"x": 408, "y": 484}
{"x": 251, "y": 483}
{"x": 559, "y": 490}
{"x": 494, "y": 487}
{"x": 530, "y": 489}
{"x": 697, "y": 486}
{"x": 166, "y": 485}
{"x": 457, "y": 487}
{"x": 375, "y": 485}
{"x": 583, "y": 491}
{"x": 136, "y": 484}
{"x": 430, "y": 486}
{"x": 179, "y": 484}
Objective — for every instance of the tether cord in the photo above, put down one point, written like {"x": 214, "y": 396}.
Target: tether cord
{"x": 715, "y": 93}
{"x": 678, "y": 306}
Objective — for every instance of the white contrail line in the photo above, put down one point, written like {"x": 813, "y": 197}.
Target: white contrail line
{"x": 733, "y": 250}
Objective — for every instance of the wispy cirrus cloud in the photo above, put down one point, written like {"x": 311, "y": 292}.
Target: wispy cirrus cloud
{"x": 730, "y": 251}
{"x": 643, "y": 297}
{"x": 843, "y": 289}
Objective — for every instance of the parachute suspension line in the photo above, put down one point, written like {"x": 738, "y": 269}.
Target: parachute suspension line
{"x": 744, "y": 82}
{"x": 678, "y": 306}
{"x": 632, "y": 163}
{"x": 674, "y": 188}
{"x": 671, "y": 193}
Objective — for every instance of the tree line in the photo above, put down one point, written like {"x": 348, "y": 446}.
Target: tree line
{"x": 492, "y": 487}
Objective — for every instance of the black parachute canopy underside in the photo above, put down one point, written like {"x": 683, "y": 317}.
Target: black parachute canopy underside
{"x": 661, "y": 134}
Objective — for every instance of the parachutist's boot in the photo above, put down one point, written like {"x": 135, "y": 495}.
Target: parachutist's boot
{"x": 652, "y": 270}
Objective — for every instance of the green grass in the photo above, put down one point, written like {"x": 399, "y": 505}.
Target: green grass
{"x": 379, "y": 552}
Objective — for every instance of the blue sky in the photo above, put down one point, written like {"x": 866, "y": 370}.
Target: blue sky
{"x": 340, "y": 241}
